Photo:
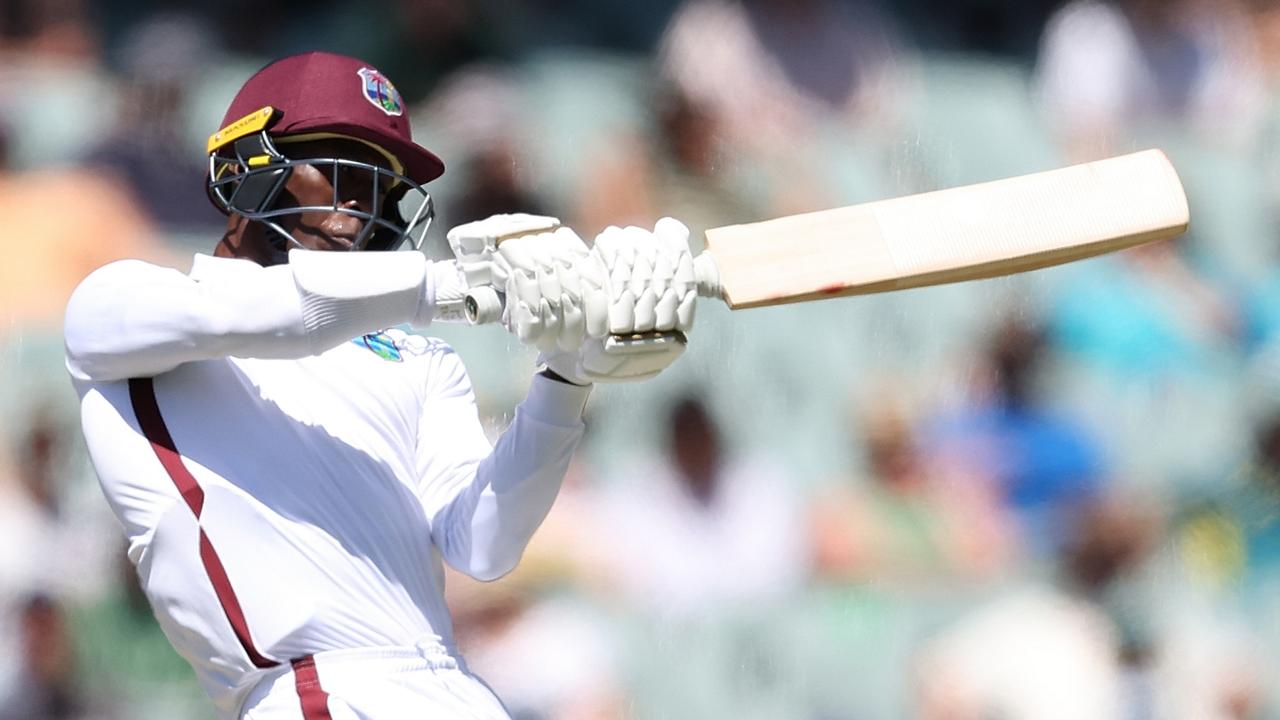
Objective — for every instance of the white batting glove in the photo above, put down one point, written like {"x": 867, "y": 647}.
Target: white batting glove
{"x": 651, "y": 295}
{"x": 554, "y": 285}
{"x": 652, "y": 282}
{"x": 618, "y": 312}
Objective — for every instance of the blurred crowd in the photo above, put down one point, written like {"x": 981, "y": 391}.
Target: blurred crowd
{"x": 1049, "y": 496}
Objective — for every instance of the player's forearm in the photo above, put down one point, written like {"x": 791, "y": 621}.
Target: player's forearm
{"x": 516, "y": 485}
{"x": 131, "y": 319}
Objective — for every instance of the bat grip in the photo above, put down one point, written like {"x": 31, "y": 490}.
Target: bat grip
{"x": 482, "y": 305}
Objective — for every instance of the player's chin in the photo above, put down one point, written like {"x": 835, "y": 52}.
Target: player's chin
{"x": 329, "y": 241}
{"x": 339, "y": 243}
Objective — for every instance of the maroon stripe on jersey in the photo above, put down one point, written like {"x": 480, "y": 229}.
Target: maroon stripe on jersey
{"x": 142, "y": 394}
{"x": 315, "y": 701}
{"x": 230, "y": 603}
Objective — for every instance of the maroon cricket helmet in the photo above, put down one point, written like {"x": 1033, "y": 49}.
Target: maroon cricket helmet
{"x": 320, "y": 92}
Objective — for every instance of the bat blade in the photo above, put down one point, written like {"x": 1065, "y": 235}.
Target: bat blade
{"x": 965, "y": 233}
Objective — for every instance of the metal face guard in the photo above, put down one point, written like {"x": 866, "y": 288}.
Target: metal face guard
{"x": 250, "y": 183}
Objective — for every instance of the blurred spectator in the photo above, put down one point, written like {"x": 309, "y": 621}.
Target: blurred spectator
{"x": 418, "y": 42}
{"x": 53, "y": 88}
{"x": 43, "y": 451}
{"x": 1265, "y": 17}
{"x": 493, "y": 185}
{"x": 551, "y": 656}
{"x": 683, "y": 171}
{"x": 480, "y": 109}
{"x": 146, "y": 150}
{"x": 702, "y": 548}
{"x": 1043, "y": 465}
{"x": 30, "y": 557}
{"x": 903, "y": 525}
{"x": 57, "y": 30}
{"x": 543, "y": 609}
{"x": 1150, "y": 344}
{"x": 49, "y": 684}
{"x": 773, "y": 72}
{"x": 1147, "y": 310}
{"x": 1049, "y": 652}
{"x": 617, "y": 24}
{"x": 773, "y": 65}
{"x": 46, "y": 548}
{"x": 1113, "y": 69}
{"x": 1004, "y": 27}
{"x": 1260, "y": 324}
{"x": 1261, "y": 502}
{"x": 1232, "y": 541}
{"x": 700, "y": 531}
{"x": 127, "y": 655}
{"x": 60, "y": 226}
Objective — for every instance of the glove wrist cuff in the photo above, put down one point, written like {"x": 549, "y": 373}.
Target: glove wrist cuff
{"x": 550, "y": 374}
{"x": 445, "y": 291}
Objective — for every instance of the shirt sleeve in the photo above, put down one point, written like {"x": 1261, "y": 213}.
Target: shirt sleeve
{"x": 134, "y": 319}
{"x": 486, "y": 502}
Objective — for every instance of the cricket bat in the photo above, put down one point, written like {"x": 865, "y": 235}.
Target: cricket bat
{"x": 964, "y": 233}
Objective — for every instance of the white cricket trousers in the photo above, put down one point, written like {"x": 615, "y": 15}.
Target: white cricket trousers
{"x": 393, "y": 683}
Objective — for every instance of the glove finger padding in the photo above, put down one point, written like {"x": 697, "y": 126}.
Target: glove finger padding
{"x": 645, "y": 311}
{"x": 684, "y": 312}
{"x": 595, "y": 303}
{"x": 604, "y": 314}
{"x": 521, "y": 320}
{"x": 556, "y": 290}
{"x": 622, "y": 313}
{"x": 573, "y": 325}
{"x": 665, "y": 317}
{"x": 647, "y": 282}
{"x": 547, "y": 340}
{"x": 651, "y": 277}
{"x": 549, "y": 293}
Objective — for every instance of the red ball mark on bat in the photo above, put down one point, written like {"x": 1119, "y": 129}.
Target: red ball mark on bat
{"x": 833, "y": 289}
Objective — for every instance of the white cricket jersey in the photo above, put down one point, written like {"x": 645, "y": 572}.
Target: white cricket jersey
{"x": 281, "y": 507}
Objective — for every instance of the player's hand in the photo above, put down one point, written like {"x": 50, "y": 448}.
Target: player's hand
{"x": 553, "y": 284}
{"x": 621, "y": 311}
{"x": 651, "y": 292}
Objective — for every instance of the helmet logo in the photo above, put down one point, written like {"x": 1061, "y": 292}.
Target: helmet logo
{"x": 379, "y": 91}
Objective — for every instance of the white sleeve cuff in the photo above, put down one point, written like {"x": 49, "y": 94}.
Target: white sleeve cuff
{"x": 556, "y": 403}
{"x": 348, "y": 294}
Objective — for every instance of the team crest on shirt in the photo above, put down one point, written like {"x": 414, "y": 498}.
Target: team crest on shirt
{"x": 394, "y": 344}
{"x": 379, "y": 91}
{"x": 382, "y": 345}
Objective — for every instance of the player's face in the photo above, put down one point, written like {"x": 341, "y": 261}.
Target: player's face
{"x": 315, "y": 185}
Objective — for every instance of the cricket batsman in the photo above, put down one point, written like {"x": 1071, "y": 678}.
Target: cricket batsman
{"x": 291, "y": 470}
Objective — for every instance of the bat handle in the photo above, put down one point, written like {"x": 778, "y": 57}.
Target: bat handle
{"x": 708, "y": 276}
{"x": 482, "y": 305}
